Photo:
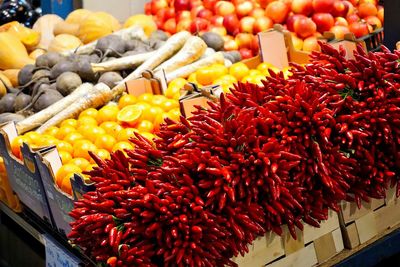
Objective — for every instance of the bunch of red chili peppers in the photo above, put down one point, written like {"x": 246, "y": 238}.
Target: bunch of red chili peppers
{"x": 281, "y": 153}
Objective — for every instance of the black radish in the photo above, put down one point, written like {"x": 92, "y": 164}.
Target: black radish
{"x": 21, "y": 101}
{"x": 46, "y": 98}
{"x": 85, "y": 71}
{"x": 110, "y": 78}
{"x": 132, "y": 45}
{"x": 25, "y": 74}
{"x": 213, "y": 40}
{"x": 159, "y": 34}
{"x": 7, "y": 103}
{"x": 233, "y": 56}
{"x": 111, "y": 45}
{"x": 40, "y": 75}
{"x": 67, "y": 82}
{"x": 49, "y": 59}
{"x": 62, "y": 67}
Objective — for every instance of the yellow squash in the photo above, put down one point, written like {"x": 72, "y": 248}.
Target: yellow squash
{"x": 78, "y": 16}
{"x": 30, "y": 38}
{"x": 13, "y": 54}
{"x": 64, "y": 42}
{"x": 97, "y": 25}
{"x": 45, "y": 25}
{"x": 65, "y": 27}
{"x": 12, "y": 75}
{"x": 4, "y": 83}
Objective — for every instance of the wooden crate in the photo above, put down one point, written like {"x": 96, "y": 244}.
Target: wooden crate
{"x": 313, "y": 246}
{"x": 361, "y": 225}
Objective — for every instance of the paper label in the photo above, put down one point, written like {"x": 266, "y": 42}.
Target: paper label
{"x": 57, "y": 256}
{"x": 160, "y": 75}
{"x": 273, "y": 48}
{"x": 138, "y": 87}
{"x": 188, "y": 105}
{"x": 348, "y": 46}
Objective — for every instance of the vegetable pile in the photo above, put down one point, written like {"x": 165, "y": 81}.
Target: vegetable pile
{"x": 284, "y": 152}
{"x": 58, "y": 79}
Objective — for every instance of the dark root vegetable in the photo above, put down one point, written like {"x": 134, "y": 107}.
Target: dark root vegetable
{"x": 73, "y": 57}
{"x": 233, "y": 56}
{"x": 25, "y": 74}
{"x": 6, "y": 117}
{"x": 40, "y": 74}
{"x": 21, "y": 101}
{"x": 111, "y": 45}
{"x": 46, "y": 98}
{"x": 133, "y": 45}
{"x": 38, "y": 87}
{"x": 213, "y": 40}
{"x": 49, "y": 59}
{"x": 7, "y": 103}
{"x": 62, "y": 67}
{"x": 67, "y": 82}
{"x": 111, "y": 78}
{"x": 159, "y": 34}
{"x": 85, "y": 71}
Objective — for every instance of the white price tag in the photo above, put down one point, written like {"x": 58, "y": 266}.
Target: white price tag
{"x": 57, "y": 256}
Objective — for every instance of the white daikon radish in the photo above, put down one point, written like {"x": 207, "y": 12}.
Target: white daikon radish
{"x": 98, "y": 96}
{"x": 193, "y": 49}
{"x": 42, "y": 116}
{"x": 122, "y": 63}
{"x": 170, "y": 48}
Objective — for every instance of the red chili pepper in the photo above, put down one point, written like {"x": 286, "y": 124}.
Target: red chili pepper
{"x": 112, "y": 236}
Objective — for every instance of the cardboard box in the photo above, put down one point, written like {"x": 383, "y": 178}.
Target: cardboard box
{"x": 361, "y": 225}
{"x": 60, "y": 203}
{"x": 192, "y": 96}
{"x": 24, "y": 176}
{"x": 152, "y": 83}
{"x": 276, "y": 47}
{"x": 312, "y": 246}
